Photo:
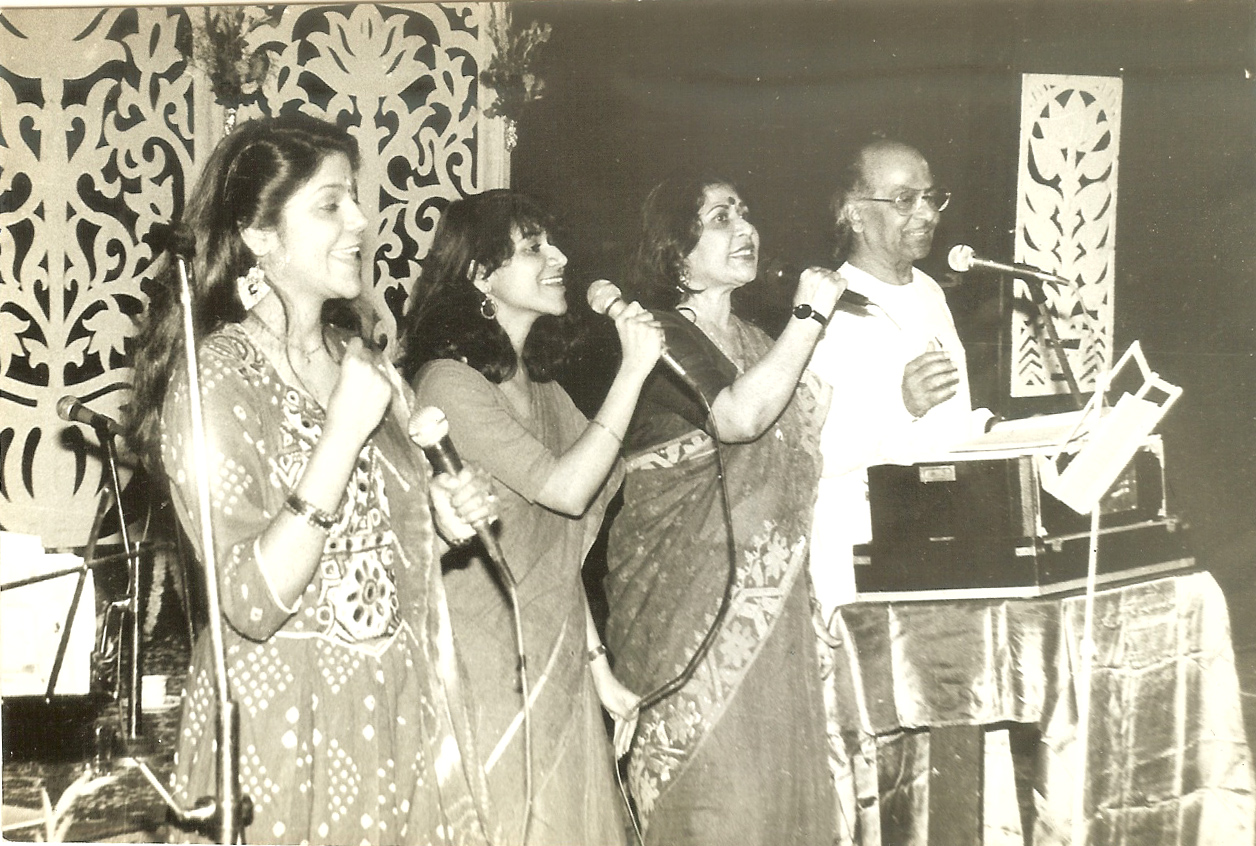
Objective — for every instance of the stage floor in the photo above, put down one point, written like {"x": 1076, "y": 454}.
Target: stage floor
{"x": 129, "y": 810}
{"x": 126, "y": 808}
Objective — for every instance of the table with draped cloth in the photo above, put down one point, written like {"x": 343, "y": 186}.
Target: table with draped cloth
{"x": 1167, "y": 757}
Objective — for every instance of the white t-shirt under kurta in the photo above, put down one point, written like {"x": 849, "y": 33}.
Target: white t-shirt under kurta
{"x": 862, "y": 357}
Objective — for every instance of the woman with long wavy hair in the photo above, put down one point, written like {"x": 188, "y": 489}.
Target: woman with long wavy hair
{"x": 482, "y": 342}
{"x": 352, "y": 723}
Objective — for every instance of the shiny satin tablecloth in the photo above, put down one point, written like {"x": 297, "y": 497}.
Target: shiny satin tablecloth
{"x": 1168, "y": 760}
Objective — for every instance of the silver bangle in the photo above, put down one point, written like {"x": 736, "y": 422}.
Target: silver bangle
{"x": 596, "y": 652}
{"x": 309, "y": 512}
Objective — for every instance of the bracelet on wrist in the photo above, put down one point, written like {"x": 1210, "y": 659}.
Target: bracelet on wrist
{"x": 606, "y": 429}
{"x": 596, "y": 652}
{"x": 309, "y": 512}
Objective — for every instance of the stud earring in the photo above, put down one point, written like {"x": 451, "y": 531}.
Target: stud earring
{"x": 252, "y": 287}
{"x": 682, "y": 284}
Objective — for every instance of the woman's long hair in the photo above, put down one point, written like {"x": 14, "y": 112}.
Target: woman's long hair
{"x": 444, "y": 318}
{"x": 670, "y": 229}
{"x": 246, "y": 182}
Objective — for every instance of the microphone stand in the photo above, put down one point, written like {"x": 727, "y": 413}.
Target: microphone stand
{"x": 1037, "y": 292}
{"x": 109, "y": 442}
{"x": 226, "y": 814}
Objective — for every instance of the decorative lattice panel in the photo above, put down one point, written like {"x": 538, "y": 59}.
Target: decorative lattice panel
{"x": 404, "y": 79}
{"x": 94, "y": 112}
{"x": 103, "y": 126}
{"x": 1066, "y": 224}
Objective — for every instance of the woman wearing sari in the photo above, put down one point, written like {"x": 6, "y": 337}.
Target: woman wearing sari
{"x": 737, "y": 754}
{"x": 481, "y": 344}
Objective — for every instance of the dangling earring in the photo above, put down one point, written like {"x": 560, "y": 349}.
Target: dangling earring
{"x": 488, "y": 308}
{"x": 252, "y": 287}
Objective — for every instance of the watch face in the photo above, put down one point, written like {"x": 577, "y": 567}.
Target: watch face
{"x": 803, "y": 311}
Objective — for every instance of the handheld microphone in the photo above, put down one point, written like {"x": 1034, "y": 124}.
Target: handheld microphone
{"x": 603, "y": 294}
{"x": 430, "y": 430}
{"x": 71, "y": 410}
{"x": 962, "y": 259}
{"x": 779, "y": 270}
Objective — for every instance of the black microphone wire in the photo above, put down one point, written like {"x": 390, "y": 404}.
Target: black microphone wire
{"x": 497, "y": 558}
{"x": 671, "y": 686}
{"x": 516, "y": 612}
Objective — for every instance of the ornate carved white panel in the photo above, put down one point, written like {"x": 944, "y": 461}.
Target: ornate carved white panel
{"x": 1066, "y": 224}
{"x": 102, "y": 128}
{"x": 94, "y": 116}
{"x": 404, "y": 78}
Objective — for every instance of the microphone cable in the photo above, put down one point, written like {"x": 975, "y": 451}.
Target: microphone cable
{"x": 516, "y": 612}
{"x": 674, "y": 684}
{"x": 443, "y": 458}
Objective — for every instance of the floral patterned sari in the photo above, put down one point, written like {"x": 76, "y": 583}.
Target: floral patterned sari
{"x": 738, "y": 753}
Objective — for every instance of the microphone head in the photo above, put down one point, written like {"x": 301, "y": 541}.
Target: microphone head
{"x": 175, "y": 238}
{"x": 777, "y": 269}
{"x": 960, "y": 258}
{"x": 602, "y": 294}
{"x": 428, "y": 426}
{"x": 65, "y": 408}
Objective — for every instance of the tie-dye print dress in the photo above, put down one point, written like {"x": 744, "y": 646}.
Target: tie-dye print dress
{"x": 352, "y": 726}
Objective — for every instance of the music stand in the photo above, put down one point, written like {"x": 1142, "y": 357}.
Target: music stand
{"x": 1113, "y": 436}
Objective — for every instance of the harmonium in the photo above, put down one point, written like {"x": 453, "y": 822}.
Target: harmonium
{"x": 990, "y": 522}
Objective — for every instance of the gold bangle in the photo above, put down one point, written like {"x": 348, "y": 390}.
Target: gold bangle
{"x": 309, "y": 512}
{"x": 607, "y": 430}
{"x": 596, "y": 652}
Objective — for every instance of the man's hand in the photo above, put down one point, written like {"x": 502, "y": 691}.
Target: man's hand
{"x": 928, "y": 380}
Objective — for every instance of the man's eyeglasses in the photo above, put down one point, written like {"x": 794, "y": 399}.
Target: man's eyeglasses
{"x": 907, "y": 202}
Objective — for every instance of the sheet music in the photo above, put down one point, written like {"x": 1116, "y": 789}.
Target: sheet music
{"x": 1027, "y": 435}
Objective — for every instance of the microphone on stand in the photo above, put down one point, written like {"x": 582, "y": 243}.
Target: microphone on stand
{"x": 780, "y": 270}
{"x": 174, "y": 238}
{"x": 430, "y": 430}
{"x": 603, "y": 294}
{"x": 71, "y": 410}
{"x": 961, "y": 258}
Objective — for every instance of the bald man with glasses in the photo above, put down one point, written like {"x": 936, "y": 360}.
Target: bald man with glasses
{"x": 898, "y": 373}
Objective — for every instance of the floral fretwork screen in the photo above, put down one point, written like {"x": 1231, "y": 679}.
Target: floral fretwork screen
{"x": 1066, "y": 224}
{"x": 104, "y": 125}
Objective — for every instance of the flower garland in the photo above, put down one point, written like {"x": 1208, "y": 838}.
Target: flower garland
{"x": 219, "y": 47}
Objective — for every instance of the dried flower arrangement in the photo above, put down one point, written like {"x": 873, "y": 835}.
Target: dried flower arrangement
{"x": 510, "y": 74}
{"x": 219, "y": 47}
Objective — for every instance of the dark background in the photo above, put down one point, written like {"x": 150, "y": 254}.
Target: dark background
{"x": 776, "y": 96}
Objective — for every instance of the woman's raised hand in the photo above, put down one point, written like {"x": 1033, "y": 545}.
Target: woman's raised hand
{"x": 640, "y": 337}
{"x": 361, "y": 396}
{"x": 819, "y": 288}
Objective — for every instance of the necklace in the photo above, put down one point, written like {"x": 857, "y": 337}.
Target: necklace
{"x": 285, "y": 344}
{"x": 281, "y": 353}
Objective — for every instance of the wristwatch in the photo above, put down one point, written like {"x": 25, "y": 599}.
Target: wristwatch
{"x": 803, "y": 311}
